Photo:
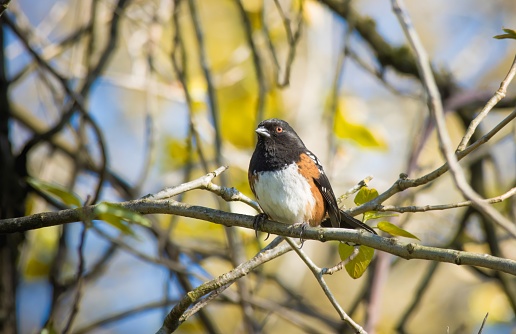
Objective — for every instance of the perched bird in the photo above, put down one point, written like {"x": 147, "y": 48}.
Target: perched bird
{"x": 289, "y": 182}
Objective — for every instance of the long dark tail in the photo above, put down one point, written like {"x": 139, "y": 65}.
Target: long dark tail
{"x": 346, "y": 221}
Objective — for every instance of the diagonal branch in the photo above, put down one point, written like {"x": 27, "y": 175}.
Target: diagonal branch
{"x": 176, "y": 315}
{"x": 499, "y": 94}
{"x": 318, "y": 274}
{"x": 437, "y": 112}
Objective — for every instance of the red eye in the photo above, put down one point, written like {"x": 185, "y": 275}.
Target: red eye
{"x": 279, "y": 129}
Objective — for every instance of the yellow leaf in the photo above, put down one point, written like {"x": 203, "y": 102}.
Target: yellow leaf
{"x": 395, "y": 230}
{"x": 365, "y": 195}
{"x": 357, "y": 266}
{"x": 356, "y": 132}
{"x": 176, "y": 153}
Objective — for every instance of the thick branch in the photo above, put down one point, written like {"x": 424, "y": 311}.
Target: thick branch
{"x": 146, "y": 206}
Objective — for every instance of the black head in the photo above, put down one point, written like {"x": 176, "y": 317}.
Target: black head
{"x": 277, "y": 131}
{"x": 278, "y": 145}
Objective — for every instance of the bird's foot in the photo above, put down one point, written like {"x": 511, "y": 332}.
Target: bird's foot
{"x": 258, "y": 222}
{"x": 303, "y": 228}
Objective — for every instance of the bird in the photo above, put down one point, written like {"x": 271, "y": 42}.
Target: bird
{"x": 290, "y": 184}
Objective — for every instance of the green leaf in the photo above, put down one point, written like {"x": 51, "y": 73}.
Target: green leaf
{"x": 67, "y": 197}
{"x": 376, "y": 214}
{"x": 365, "y": 195}
{"x": 118, "y": 217}
{"x": 395, "y": 230}
{"x": 359, "y": 264}
{"x": 510, "y": 34}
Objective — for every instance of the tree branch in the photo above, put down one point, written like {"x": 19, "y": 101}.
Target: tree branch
{"x": 424, "y": 208}
{"x": 437, "y": 112}
{"x": 318, "y": 274}
{"x": 146, "y": 206}
{"x": 176, "y": 318}
{"x": 4, "y": 4}
{"x": 499, "y": 94}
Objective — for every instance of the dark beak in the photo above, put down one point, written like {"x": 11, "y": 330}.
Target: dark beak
{"x": 261, "y": 131}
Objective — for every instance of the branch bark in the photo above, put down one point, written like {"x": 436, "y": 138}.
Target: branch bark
{"x": 146, "y": 206}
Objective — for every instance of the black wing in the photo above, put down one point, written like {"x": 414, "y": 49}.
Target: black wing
{"x": 338, "y": 218}
{"x": 329, "y": 198}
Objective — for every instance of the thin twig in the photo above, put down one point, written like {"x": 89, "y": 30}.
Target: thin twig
{"x": 212, "y": 96}
{"x": 167, "y": 263}
{"x": 80, "y": 271}
{"x": 123, "y": 315}
{"x": 180, "y": 68}
{"x": 363, "y": 183}
{"x": 258, "y": 70}
{"x": 425, "y": 208}
{"x": 318, "y": 274}
{"x": 292, "y": 40}
{"x": 228, "y": 194}
{"x": 483, "y": 323}
{"x": 339, "y": 266}
{"x": 404, "y": 182}
{"x": 177, "y": 315}
{"x": 499, "y": 94}
{"x": 417, "y": 296}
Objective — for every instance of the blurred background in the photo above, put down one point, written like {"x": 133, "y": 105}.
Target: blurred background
{"x": 145, "y": 94}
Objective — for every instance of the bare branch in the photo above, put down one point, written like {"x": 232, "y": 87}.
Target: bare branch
{"x": 500, "y": 94}
{"x": 203, "y": 58}
{"x": 318, "y": 274}
{"x": 404, "y": 182}
{"x": 363, "y": 183}
{"x": 339, "y": 266}
{"x": 80, "y": 271}
{"x": 292, "y": 39}
{"x": 398, "y": 58}
{"x": 122, "y": 315}
{"x": 145, "y": 206}
{"x": 424, "y": 208}
{"x": 436, "y": 109}
{"x": 176, "y": 315}
{"x": 483, "y": 323}
{"x": 418, "y": 296}
{"x": 258, "y": 70}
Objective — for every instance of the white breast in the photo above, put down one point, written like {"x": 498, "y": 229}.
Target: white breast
{"x": 285, "y": 195}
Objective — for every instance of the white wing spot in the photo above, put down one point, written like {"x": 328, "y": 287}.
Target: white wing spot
{"x": 313, "y": 157}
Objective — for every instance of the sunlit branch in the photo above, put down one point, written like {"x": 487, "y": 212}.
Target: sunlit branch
{"x": 436, "y": 110}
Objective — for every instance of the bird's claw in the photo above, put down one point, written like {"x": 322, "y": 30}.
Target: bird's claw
{"x": 303, "y": 227}
{"x": 257, "y": 223}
